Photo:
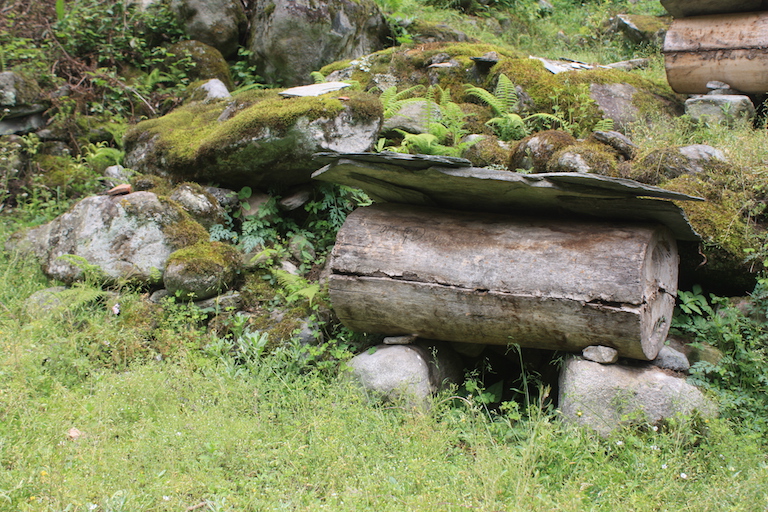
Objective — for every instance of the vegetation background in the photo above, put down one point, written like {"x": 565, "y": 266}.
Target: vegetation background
{"x": 151, "y": 410}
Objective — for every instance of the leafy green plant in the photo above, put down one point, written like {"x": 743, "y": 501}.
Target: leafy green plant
{"x": 443, "y": 118}
{"x": 740, "y": 378}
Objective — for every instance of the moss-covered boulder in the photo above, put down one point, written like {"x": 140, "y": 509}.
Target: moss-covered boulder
{"x": 209, "y": 62}
{"x": 257, "y": 138}
{"x": 289, "y": 40}
{"x": 218, "y": 23}
{"x": 111, "y": 238}
{"x": 534, "y": 152}
{"x": 201, "y": 271}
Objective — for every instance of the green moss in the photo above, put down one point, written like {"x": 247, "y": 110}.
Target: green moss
{"x": 227, "y": 140}
{"x": 209, "y": 63}
{"x": 535, "y": 157}
{"x": 600, "y": 158}
{"x": 335, "y": 66}
{"x": 63, "y": 173}
{"x": 185, "y": 232}
{"x": 206, "y": 257}
{"x": 487, "y": 152}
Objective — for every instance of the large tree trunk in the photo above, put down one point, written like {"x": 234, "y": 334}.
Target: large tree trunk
{"x": 495, "y": 279}
{"x": 731, "y": 48}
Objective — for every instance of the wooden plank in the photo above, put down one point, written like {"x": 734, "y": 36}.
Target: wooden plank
{"x": 484, "y": 278}
{"x": 731, "y": 48}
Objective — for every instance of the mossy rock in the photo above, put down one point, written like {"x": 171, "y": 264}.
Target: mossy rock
{"x": 257, "y": 138}
{"x": 209, "y": 62}
{"x": 534, "y": 152}
{"x": 201, "y": 271}
{"x": 488, "y": 151}
{"x": 585, "y": 157}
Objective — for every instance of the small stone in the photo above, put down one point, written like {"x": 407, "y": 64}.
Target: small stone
{"x": 600, "y": 354}
{"x": 617, "y": 141}
{"x": 400, "y": 340}
{"x": 727, "y": 109}
{"x": 120, "y": 190}
{"x": 671, "y": 359}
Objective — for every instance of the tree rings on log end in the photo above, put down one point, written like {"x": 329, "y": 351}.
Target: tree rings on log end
{"x": 495, "y": 279}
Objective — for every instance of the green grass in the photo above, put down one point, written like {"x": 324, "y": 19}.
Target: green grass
{"x": 194, "y": 429}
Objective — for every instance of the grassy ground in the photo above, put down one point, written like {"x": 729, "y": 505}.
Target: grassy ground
{"x": 148, "y": 411}
{"x": 82, "y": 428}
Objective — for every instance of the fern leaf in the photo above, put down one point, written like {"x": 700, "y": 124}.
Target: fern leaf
{"x": 486, "y": 97}
{"x": 506, "y": 94}
{"x": 604, "y": 125}
{"x": 317, "y": 77}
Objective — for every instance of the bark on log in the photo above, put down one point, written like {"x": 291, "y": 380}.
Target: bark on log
{"x": 495, "y": 279}
{"x": 731, "y": 48}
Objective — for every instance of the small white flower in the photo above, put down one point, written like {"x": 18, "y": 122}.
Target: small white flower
{"x": 619, "y": 443}
{"x": 655, "y": 428}
{"x": 663, "y": 466}
{"x": 166, "y": 498}
{"x": 683, "y": 476}
{"x": 654, "y": 447}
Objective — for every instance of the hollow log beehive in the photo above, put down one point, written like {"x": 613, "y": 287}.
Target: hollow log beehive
{"x": 496, "y": 279}
{"x": 730, "y": 48}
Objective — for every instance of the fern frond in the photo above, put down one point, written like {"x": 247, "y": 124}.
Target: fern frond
{"x": 604, "y": 125}
{"x": 486, "y": 97}
{"x": 506, "y": 94}
{"x": 317, "y": 76}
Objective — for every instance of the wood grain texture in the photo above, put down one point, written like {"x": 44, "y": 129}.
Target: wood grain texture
{"x": 731, "y": 48}
{"x": 496, "y": 279}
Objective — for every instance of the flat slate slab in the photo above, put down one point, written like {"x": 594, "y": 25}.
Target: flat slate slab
{"x": 453, "y": 183}
{"x": 313, "y": 90}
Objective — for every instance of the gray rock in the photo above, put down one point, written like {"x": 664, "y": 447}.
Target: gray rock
{"x": 641, "y": 29}
{"x": 21, "y": 125}
{"x": 214, "y": 89}
{"x": 702, "y": 153}
{"x": 412, "y": 117}
{"x": 600, "y": 354}
{"x": 203, "y": 207}
{"x": 124, "y": 237}
{"x": 569, "y": 161}
{"x": 616, "y": 102}
{"x": 400, "y": 340}
{"x": 671, "y": 359}
{"x": 603, "y": 397}
{"x": 295, "y": 198}
{"x": 218, "y": 23}
{"x": 720, "y": 109}
{"x": 617, "y": 141}
{"x": 227, "y": 198}
{"x": 410, "y": 372}
{"x": 301, "y": 248}
{"x": 630, "y": 65}
{"x": 289, "y": 40}
{"x": 672, "y": 162}
{"x": 230, "y": 301}
{"x": 201, "y": 271}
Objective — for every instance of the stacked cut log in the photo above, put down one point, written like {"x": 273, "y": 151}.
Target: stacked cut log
{"x": 557, "y": 261}
{"x": 494, "y": 279}
{"x": 717, "y": 40}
